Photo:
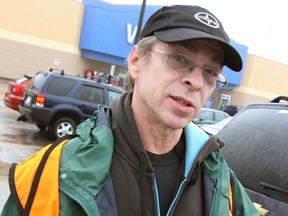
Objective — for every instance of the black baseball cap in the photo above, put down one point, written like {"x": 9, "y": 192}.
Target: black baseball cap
{"x": 185, "y": 22}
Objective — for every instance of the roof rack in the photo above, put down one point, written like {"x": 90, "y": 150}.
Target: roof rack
{"x": 55, "y": 70}
{"x": 279, "y": 99}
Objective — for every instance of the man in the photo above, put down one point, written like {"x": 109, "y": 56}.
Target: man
{"x": 152, "y": 160}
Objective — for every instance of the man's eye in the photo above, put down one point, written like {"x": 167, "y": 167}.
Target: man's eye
{"x": 180, "y": 58}
{"x": 211, "y": 72}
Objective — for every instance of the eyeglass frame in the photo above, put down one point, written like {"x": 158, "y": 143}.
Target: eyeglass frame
{"x": 190, "y": 69}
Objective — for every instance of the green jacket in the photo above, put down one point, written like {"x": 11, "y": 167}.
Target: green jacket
{"x": 87, "y": 186}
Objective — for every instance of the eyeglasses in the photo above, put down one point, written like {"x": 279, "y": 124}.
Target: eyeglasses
{"x": 184, "y": 64}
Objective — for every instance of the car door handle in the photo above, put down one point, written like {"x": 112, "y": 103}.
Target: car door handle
{"x": 274, "y": 191}
{"x": 82, "y": 107}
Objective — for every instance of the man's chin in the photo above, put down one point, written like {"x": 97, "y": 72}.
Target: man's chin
{"x": 177, "y": 124}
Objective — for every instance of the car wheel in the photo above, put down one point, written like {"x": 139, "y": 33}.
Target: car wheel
{"x": 62, "y": 127}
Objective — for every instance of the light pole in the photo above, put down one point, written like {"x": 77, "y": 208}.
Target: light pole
{"x": 140, "y": 21}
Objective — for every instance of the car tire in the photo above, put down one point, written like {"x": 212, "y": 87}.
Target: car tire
{"x": 62, "y": 127}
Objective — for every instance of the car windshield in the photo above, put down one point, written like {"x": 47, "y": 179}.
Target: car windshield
{"x": 21, "y": 80}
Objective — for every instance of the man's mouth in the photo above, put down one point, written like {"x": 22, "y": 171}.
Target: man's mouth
{"x": 182, "y": 102}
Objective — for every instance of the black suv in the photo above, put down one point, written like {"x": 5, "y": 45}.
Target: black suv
{"x": 256, "y": 148}
{"x": 57, "y": 102}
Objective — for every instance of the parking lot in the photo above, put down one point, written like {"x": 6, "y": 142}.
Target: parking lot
{"x": 18, "y": 140}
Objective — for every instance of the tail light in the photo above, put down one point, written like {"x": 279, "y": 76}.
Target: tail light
{"x": 40, "y": 99}
{"x": 16, "y": 89}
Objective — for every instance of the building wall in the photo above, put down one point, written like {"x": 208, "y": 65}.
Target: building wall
{"x": 39, "y": 35}
{"x": 21, "y": 58}
{"x": 51, "y": 19}
{"x": 263, "y": 80}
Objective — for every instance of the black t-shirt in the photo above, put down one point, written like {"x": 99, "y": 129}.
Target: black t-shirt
{"x": 167, "y": 169}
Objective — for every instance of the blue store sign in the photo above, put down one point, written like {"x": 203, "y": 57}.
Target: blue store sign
{"x": 108, "y": 34}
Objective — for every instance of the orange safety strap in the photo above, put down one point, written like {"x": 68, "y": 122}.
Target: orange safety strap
{"x": 45, "y": 202}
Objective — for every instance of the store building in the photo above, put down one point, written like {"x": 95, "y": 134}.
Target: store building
{"x": 91, "y": 36}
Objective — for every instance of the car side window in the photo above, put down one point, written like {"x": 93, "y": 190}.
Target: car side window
{"x": 112, "y": 95}
{"x": 207, "y": 115}
{"x": 37, "y": 81}
{"x": 219, "y": 116}
{"x": 60, "y": 86}
{"x": 91, "y": 94}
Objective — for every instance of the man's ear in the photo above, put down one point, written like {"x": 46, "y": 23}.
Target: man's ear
{"x": 134, "y": 62}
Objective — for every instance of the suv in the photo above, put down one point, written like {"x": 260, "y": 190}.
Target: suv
{"x": 59, "y": 102}
{"x": 256, "y": 149}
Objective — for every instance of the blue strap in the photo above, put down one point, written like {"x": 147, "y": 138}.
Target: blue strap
{"x": 195, "y": 139}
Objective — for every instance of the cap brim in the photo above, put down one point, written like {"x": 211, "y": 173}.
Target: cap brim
{"x": 232, "y": 59}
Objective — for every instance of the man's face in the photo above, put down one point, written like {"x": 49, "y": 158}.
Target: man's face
{"x": 168, "y": 94}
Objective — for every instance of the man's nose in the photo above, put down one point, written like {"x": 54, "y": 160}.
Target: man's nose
{"x": 195, "y": 78}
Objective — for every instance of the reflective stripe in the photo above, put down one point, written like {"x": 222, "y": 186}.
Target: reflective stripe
{"x": 230, "y": 200}
{"x": 230, "y": 214}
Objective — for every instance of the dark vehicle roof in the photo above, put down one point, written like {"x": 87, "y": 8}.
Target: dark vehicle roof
{"x": 256, "y": 147}
{"x": 37, "y": 83}
{"x": 232, "y": 109}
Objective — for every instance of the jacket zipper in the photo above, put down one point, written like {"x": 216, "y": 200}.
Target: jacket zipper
{"x": 169, "y": 212}
{"x": 76, "y": 199}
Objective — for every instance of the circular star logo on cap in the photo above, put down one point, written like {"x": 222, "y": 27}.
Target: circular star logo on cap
{"x": 207, "y": 19}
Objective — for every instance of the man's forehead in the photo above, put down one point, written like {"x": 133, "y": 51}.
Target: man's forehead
{"x": 195, "y": 45}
